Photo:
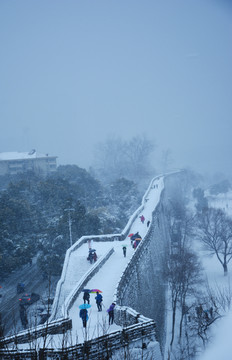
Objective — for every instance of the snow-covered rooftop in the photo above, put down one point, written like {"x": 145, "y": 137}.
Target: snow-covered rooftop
{"x": 15, "y": 155}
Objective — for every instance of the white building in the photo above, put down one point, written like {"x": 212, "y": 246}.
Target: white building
{"x": 16, "y": 162}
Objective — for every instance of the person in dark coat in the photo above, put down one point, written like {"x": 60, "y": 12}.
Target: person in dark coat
{"x": 90, "y": 257}
{"x": 111, "y": 313}
{"x": 132, "y": 239}
{"x": 86, "y": 297}
{"x": 94, "y": 256}
{"x": 99, "y": 299}
{"x": 84, "y": 316}
{"x": 124, "y": 250}
{"x": 148, "y": 223}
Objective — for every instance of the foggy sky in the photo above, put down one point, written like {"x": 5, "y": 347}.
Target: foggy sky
{"x": 73, "y": 73}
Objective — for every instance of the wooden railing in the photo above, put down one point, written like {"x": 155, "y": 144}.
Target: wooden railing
{"x": 26, "y": 336}
{"x": 98, "y": 348}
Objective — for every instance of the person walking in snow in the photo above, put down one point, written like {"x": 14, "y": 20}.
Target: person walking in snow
{"x": 90, "y": 257}
{"x": 111, "y": 313}
{"x": 148, "y": 223}
{"x": 142, "y": 218}
{"x": 84, "y": 316}
{"x": 133, "y": 238}
{"x": 86, "y": 297}
{"x": 99, "y": 299}
{"x": 124, "y": 250}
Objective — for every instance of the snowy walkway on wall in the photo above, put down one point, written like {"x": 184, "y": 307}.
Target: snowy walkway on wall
{"x": 106, "y": 279}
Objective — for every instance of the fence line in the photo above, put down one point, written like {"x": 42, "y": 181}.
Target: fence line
{"x": 93, "y": 349}
{"x": 59, "y": 326}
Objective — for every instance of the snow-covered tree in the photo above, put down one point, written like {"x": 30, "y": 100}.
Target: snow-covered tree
{"x": 215, "y": 232}
{"x": 116, "y": 158}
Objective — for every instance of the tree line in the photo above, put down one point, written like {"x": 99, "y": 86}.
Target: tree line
{"x": 34, "y": 218}
{"x": 194, "y": 304}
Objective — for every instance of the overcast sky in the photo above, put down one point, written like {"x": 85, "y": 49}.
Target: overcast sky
{"x": 73, "y": 73}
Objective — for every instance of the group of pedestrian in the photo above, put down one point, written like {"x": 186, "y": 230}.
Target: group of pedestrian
{"x": 135, "y": 240}
{"x": 142, "y": 218}
{"x": 92, "y": 256}
{"x": 99, "y": 298}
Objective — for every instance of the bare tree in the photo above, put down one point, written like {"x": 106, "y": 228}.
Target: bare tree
{"x": 110, "y": 158}
{"x": 208, "y": 308}
{"x": 183, "y": 274}
{"x": 139, "y": 149}
{"x": 215, "y": 232}
{"x": 116, "y": 158}
{"x": 183, "y": 269}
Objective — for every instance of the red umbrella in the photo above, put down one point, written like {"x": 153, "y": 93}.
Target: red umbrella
{"x": 130, "y": 235}
{"x": 96, "y": 290}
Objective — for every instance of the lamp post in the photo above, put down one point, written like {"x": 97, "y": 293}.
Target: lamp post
{"x": 70, "y": 224}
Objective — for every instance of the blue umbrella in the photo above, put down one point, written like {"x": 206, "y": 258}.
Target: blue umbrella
{"x": 86, "y": 290}
{"x": 84, "y": 306}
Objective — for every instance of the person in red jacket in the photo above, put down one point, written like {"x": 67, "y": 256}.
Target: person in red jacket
{"x": 142, "y": 218}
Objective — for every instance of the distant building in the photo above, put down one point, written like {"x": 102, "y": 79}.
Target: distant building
{"x": 16, "y": 162}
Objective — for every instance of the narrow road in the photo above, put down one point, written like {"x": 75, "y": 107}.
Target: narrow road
{"x": 9, "y": 303}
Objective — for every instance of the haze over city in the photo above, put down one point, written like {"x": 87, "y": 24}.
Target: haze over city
{"x": 75, "y": 73}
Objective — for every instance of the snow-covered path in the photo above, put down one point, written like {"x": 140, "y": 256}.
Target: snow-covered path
{"x": 106, "y": 279}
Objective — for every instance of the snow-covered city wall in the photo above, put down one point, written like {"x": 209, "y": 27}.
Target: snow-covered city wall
{"x": 139, "y": 296}
{"x": 83, "y": 281}
{"x": 85, "y": 239}
{"x": 141, "y": 286}
{"x": 69, "y": 252}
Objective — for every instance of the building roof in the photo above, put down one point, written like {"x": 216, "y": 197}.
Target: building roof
{"x": 7, "y": 156}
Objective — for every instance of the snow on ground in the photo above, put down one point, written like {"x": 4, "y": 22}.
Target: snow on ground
{"x": 222, "y": 201}
{"x": 220, "y": 346}
{"x": 106, "y": 279}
